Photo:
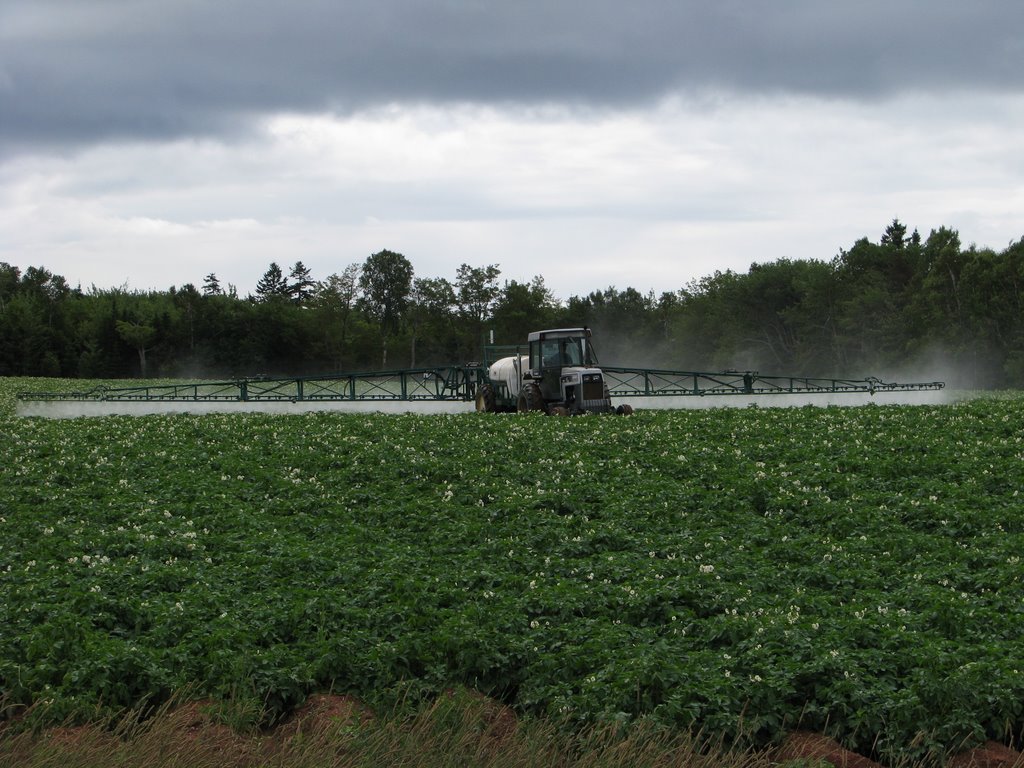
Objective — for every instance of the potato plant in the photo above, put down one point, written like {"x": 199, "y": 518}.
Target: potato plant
{"x": 745, "y": 571}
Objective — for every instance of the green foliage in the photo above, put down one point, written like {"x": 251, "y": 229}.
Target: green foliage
{"x": 334, "y": 303}
{"x": 211, "y": 285}
{"x": 273, "y": 285}
{"x": 893, "y": 308}
{"x": 386, "y": 280}
{"x": 856, "y": 571}
{"x": 301, "y": 285}
{"x": 430, "y": 320}
{"x": 525, "y": 307}
{"x": 476, "y": 291}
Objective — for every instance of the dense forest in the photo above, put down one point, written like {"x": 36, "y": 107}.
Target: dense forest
{"x": 902, "y": 306}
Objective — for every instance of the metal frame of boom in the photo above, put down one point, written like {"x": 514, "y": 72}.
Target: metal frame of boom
{"x": 653, "y": 383}
{"x": 460, "y": 383}
{"x": 455, "y": 382}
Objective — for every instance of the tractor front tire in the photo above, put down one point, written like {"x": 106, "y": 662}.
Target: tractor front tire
{"x": 530, "y": 398}
{"x": 486, "y": 402}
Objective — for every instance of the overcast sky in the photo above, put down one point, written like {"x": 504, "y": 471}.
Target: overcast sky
{"x": 598, "y": 143}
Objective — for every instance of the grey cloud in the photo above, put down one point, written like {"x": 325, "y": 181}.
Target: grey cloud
{"x": 89, "y": 70}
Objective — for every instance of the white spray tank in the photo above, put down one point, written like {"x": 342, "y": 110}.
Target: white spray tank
{"x": 509, "y": 371}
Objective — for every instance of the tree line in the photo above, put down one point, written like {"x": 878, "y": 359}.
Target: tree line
{"x": 876, "y": 308}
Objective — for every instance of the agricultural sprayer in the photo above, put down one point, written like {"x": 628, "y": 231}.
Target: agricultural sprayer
{"x": 556, "y": 372}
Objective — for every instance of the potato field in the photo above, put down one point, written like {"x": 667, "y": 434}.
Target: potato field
{"x": 746, "y": 572}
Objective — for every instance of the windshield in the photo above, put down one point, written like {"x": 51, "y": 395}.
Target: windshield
{"x": 591, "y": 356}
{"x": 572, "y": 350}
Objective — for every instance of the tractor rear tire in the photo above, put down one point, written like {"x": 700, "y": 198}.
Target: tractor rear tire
{"x": 530, "y": 398}
{"x": 486, "y": 401}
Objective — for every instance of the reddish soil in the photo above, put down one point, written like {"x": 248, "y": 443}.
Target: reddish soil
{"x": 84, "y": 738}
{"x": 323, "y": 712}
{"x": 989, "y": 755}
{"x": 327, "y": 714}
{"x": 499, "y": 721}
{"x": 192, "y": 723}
{"x": 802, "y": 745}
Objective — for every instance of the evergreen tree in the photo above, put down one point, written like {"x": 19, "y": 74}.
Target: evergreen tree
{"x": 272, "y": 285}
{"x": 301, "y": 285}
{"x": 211, "y": 286}
{"x": 10, "y": 276}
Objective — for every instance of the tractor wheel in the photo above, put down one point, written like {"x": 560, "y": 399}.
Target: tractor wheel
{"x": 625, "y": 410}
{"x": 530, "y": 398}
{"x": 559, "y": 410}
{"x": 486, "y": 402}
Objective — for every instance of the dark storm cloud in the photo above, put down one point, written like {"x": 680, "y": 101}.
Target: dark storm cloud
{"x": 85, "y": 70}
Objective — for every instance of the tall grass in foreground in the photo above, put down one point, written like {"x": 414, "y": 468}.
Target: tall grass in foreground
{"x": 459, "y": 731}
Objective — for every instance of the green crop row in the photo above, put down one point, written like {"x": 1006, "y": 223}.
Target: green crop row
{"x": 744, "y": 571}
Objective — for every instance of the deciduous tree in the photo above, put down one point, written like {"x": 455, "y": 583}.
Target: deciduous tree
{"x": 386, "y": 281}
{"x": 476, "y": 290}
{"x": 334, "y": 300}
{"x": 430, "y": 307}
{"x": 139, "y": 336}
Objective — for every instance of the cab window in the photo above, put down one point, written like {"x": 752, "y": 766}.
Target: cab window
{"x": 573, "y": 354}
{"x": 535, "y": 357}
{"x": 551, "y": 353}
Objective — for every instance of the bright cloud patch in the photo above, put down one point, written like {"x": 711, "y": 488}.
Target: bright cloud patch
{"x": 589, "y": 198}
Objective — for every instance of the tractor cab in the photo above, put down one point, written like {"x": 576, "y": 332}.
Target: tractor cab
{"x": 563, "y": 365}
{"x": 552, "y": 349}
